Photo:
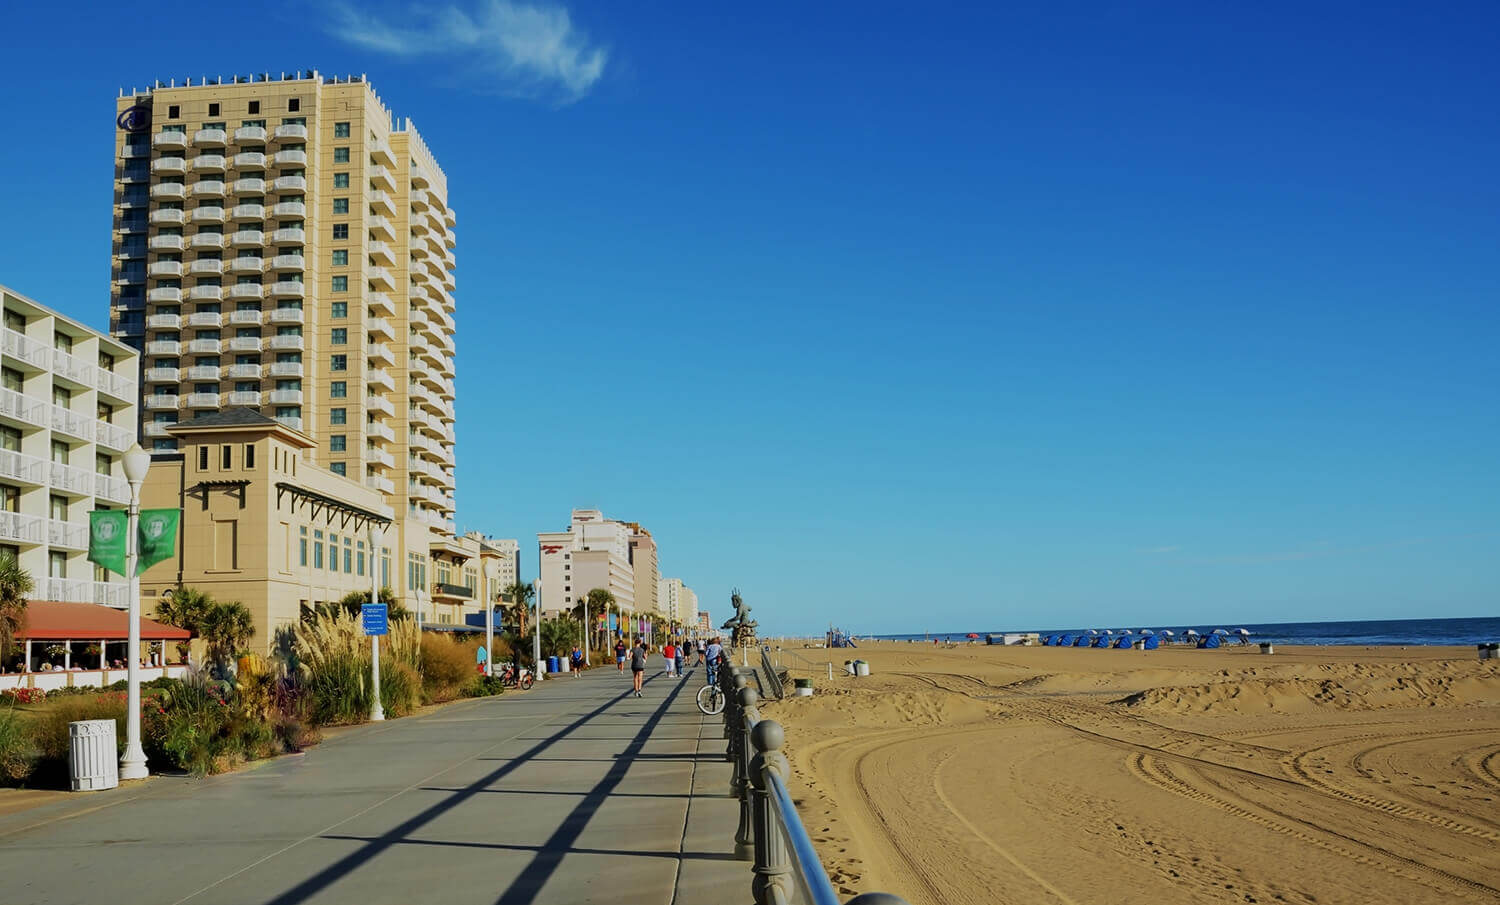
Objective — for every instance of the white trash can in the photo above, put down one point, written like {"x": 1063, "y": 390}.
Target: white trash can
{"x": 564, "y": 664}
{"x": 93, "y": 761}
{"x": 861, "y": 668}
{"x": 1267, "y": 647}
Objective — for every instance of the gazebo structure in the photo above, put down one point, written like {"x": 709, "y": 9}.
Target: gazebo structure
{"x": 76, "y": 626}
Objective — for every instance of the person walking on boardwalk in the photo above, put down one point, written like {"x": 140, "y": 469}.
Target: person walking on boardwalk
{"x": 620, "y": 655}
{"x": 669, "y": 660}
{"x": 681, "y": 658}
{"x": 638, "y": 665}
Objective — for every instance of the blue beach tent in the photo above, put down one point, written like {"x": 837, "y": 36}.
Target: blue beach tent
{"x": 1051, "y": 641}
{"x": 1065, "y": 641}
{"x": 1081, "y": 641}
{"x": 1100, "y": 641}
{"x": 1208, "y": 641}
{"x": 1123, "y": 643}
{"x": 1152, "y": 642}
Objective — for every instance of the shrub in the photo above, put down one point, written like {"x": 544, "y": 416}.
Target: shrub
{"x": 483, "y": 686}
{"x": 18, "y": 752}
{"x": 23, "y": 695}
{"x": 447, "y": 667}
{"x": 334, "y": 668}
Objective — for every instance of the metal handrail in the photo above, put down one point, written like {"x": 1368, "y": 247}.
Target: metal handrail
{"x": 773, "y": 678}
{"x": 769, "y": 826}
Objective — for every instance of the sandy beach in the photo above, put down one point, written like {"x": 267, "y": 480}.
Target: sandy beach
{"x": 1031, "y": 775}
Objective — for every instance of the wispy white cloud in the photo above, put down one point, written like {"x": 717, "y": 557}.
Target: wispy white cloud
{"x": 531, "y": 49}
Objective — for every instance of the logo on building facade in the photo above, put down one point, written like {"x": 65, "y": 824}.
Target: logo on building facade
{"x": 551, "y": 548}
{"x": 136, "y": 118}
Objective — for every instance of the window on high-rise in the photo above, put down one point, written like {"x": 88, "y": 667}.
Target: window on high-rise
{"x": 340, "y": 309}
{"x": 338, "y": 416}
{"x": 338, "y": 442}
{"x": 338, "y": 362}
{"x": 338, "y": 389}
{"x": 340, "y": 284}
{"x": 340, "y": 130}
{"x": 173, "y": 111}
{"x": 340, "y": 336}
{"x": 338, "y": 468}
{"x": 340, "y": 155}
{"x": 254, "y": 107}
{"x": 293, "y": 104}
{"x": 213, "y": 109}
{"x": 341, "y": 205}
{"x": 341, "y": 258}
{"x": 341, "y": 230}
{"x": 340, "y": 180}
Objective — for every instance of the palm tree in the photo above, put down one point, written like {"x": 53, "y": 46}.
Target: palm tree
{"x": 599, "y": 600}
{"x": 15, "y": 584}
{"x": 558, "y": 637}
{"x": 227, "y": 627}
{"x": 184, "y": 608}
{"x": 520, "y": 594}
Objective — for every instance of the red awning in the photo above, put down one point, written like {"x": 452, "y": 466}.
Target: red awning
{"x": 49, "y": 620}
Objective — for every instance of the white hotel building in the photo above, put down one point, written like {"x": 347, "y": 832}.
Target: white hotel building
{"x": 67, "y": 414}
{"x": 593, "y": 553}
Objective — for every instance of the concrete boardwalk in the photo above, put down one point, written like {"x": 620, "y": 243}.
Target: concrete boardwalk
{"x": 574, "y": 792}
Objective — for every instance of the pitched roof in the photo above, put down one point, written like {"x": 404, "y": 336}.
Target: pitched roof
{"x": 50, "y": 620}
{"x": 235, "y": 416}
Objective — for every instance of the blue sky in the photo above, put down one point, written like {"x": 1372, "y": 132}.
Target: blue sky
{"x": 939, "y": 318}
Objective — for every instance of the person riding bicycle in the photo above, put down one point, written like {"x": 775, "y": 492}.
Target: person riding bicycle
{"x": 712, "y": 655}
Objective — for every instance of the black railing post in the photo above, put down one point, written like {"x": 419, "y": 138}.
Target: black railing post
{"x": 749, "y": 716}
{"x": 773, "y": 866}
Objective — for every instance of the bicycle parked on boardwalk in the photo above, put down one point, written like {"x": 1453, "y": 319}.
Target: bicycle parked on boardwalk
{"x": 514, "y": 678}
{"x": 711, "y": 697}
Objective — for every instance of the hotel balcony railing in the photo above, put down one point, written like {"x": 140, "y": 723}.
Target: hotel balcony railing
{"x": 379, "y": 301}
{"x": 289, "y": 209}
{"x": 169, "y": 140}
{"x": 161, "y": 402}
{"x": 381, "y": 251}
{"x": 255, "y": 133}
{"x": 288, "y": 262}
{"x": 292, "y": 421}
{"x": 209, "y": 163}
{"x": 169, "y": 191}
{"x": 203, "y": 347}
{"x": 380, "y": 456}
{"x": 383, "y": 226}
{"x": 156, "y": 428}
{"x": 114, "y": 384}
{"x": 201, "y": 401}
{"x": 284, "y": 343}
{"x": 379, "y": 404}
{"x": 242, "y": 397}
{"x": 208, "y": 215}
{"x": 167, "y": 243}
{"x": 206, "y": 267}
{"x": 380, "y": 177}
{"x": 205, "y": 294}
{"x": 380, "y": 326}
{"x": 244, "y": 344}
{"x": 290, "y": 158}
{"x": 20, "y": 467}
{"x": 109, "y": 487}
{"x": 248, "y": 238}
{"x": 212, "y": 241}
{"x": 248, "y": 187}
{"x": 379, "y": 378}
{"x": 290, "y": 132}
{"x": 162, "y": 269}
{"x": 288, "y": 288}
{"x": 380, "y": 152}
{"x": 203, "y": 372}
{"x": 382, "y": 484}
{"x": 26, "y": 529}
{"x": 284, "y": 315}
{"x": 243, "y": 372}
{"x": 164, "y": 294}
{"x": 288, "y": 235}
{"x": 169, "y": 217}
{"x": 72, "y": 367}
{"x": 245, "y": 291}
{"x": 208, "y": 188}
{"x": 163, "y": 347}
{"x": 442, "y": 589}
{"x": 82, "y": 590}
{"x": 290, "y": 184}
{"x": 70, "y": 478}
{"x": 113, "y": 436}
{"x": 379, "y": 431}
{"x": 285, "y": 369}
{"x": 169, "y": 165}
{"x": 380, "y": 352}
{"x": 248, "y": 212}
{"x": 205, "y": 318}
{"x": 382, "y": 202}
{"x": 254, "y": 160}
{"x": 247, "y": 318}
{"x": 73, "y": 423}
{"x": 210, "y": 137}
{"x": 285, "y": 397}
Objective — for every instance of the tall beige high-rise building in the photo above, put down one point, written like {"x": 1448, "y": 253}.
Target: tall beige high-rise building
{"x": 286, "y": 244}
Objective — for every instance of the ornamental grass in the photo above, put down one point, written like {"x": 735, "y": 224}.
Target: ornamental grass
{"x": 334, "y": 668}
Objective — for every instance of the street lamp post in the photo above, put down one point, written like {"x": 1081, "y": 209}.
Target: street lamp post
{"x": 536, "y": 643}
{"x": 377, "y": 713}
{"x": 133, "y": 762}
{"x": 490, "y": 568}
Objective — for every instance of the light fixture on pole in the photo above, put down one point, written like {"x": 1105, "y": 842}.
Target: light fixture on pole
{"x": 377, "y": 713}
{"x": 133, "y": 762}
{"x": 490, "y": 569}
{"x": 536, "y": 644}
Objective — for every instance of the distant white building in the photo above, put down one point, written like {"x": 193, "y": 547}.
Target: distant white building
{"x": 677, "y": 601}
{"x": 595, "y": 552}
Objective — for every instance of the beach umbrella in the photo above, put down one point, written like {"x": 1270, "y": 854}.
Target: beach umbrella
{"x": 971, "y": 635}
{"x": 1108, "y": 632}
{"x": 1240, "y": 631}
{"x": 1093, "y": 631}
{"x": 1167, "y": 632}
{"x": 1147, "y": 631}
{"x": 1190, "y": 633}
{"x": 1219, "y": 631}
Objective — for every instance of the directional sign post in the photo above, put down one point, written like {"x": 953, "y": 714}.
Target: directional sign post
{"x": 374, "y": 617}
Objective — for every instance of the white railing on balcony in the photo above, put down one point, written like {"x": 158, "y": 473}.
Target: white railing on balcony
{"x": 383, "y": 226}
{"x": 160, "y": 402}
{"x": 116, "y": 385}
{"x": 210, "y": 137}
{"x": 70, "y": 477}
{"x": 206, "y": 267}
{"x": 380, "y": 431}
{"x": 162, "y": 375}
{"x": 249, "y": 212}
{"x": 166, "y": 243}
{"x": 253, "y": 133}
{"x": 380, "y": 352}
{"x": 70, "y": 422}
{"x": 113, "y": 436}
{"x": 288, "y": 262}
{"x": 21, "y": 467}
{"x": 380, "y": 456}
{"x": 243, "y": 372}
{"x": 26, "y": 529}
{"x": 205, "y": 293}
{"x": 164, "y": 347}
{"x": 289, "y": 234}
{"x": 292, "y": 421}
{"x": 253, "y": 160}
{"x": 201, "y": 400}
{"x": 208, "y": 188}
{"x": 82, "y": 590}
{"x": 286, "y": 369}
{"x": 169, "y": 216}
{"x": 382, "y": 484}
{"x": 286, "y": 397}
{"x": 289, "y": 209}
{"x": 245, "y": 264}
{"x": 165, "y": 269}
{"x": 203, "y": 347}
{"x": 163, "y": 321}
{"x": 285, "y": 315}
{"x": 155, "y": 428}
{"x": 203, "y": 372}
{"x": 290, "y": 158}
{"x": 111, "y": 488}
{"x": 205, "y": 319}
{"x": 246, "y": 291}
{"x": 380, "y": 378}
{"x": 382, "y": 302}
{"x": 245, "y": 318}
{"x": 243, "y": 397}
{"x": 290, "y": 132}
{"x": 169, "y": 165}
{"x": 72, "y": 367}
{"x": 208, "y": 240}
{"x": 284, "y": 343}
{"x": 243, "y": 344}
{"x": 288, "y": 288}
{"x": 67, "y": 534}
{"x": 166, "y": 191}
{"x": 165, "y": 294}
{"x": 290, "y": 184}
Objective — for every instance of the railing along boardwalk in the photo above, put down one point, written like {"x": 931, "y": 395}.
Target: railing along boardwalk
{"x": 786, "y": 866}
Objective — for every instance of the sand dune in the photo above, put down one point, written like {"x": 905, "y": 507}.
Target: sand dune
{"x": 1325, "y": 775}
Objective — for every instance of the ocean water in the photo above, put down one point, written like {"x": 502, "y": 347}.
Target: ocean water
{"x": 1375, "y": 631}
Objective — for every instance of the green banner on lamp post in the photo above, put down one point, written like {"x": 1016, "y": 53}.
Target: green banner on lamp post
{"x": 107, "y": 539}
{"x": 156, "y": 537}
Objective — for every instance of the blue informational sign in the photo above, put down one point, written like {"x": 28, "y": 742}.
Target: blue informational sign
{"x": 611, "y": 621}
{"x": 373, "y": 615}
